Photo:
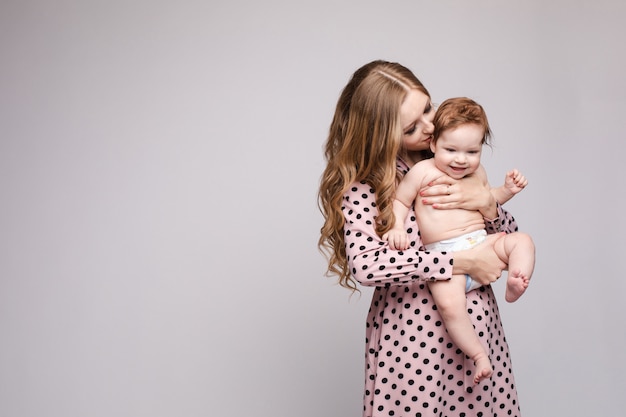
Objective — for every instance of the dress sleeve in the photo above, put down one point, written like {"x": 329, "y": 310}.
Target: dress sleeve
{"x": 503, "y": 223}
{"x": 371, "y": 261}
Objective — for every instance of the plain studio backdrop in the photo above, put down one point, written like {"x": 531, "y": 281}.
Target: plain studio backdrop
{"x": 159, "y": 164}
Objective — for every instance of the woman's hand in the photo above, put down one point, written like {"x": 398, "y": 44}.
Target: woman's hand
{"x": 481, "y": 262}
{"x": 469, "y": 193}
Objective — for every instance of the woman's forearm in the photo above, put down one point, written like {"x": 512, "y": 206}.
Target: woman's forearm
{"x": 481, "y": 262}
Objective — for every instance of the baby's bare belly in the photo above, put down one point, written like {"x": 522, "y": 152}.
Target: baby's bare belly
{"x": 435, "y": 225}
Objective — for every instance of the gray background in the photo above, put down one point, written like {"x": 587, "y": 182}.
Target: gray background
{"x": 159, "y": 164}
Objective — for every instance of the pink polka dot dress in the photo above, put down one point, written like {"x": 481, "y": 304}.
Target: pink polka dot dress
{"x": 412, "y": 367}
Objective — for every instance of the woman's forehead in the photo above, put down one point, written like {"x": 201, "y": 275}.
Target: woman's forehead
{"x": 412, "y": 107}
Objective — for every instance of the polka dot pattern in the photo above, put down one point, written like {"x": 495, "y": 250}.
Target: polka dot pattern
{"x": 412, "y": 367}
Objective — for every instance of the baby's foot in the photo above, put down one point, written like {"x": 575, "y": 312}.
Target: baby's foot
{"x": 516, "y": 284}
{"x": 483, "y": 369}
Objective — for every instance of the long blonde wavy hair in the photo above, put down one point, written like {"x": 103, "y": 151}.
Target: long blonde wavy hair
{"x": 363, "y": 143}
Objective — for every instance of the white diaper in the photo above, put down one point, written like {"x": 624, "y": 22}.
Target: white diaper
{"x": 463, "y": 242}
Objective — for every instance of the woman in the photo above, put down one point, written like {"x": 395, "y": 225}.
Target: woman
{"x": 382, "y": 126}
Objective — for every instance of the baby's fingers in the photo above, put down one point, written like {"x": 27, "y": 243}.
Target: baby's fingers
{"x": 514, "y": 173}
{"x": 521, "y": 180}
{"x": 518, "y": 178}
{"x": 397, "y": 241}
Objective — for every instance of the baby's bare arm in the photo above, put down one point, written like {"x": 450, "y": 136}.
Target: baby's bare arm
{"x": 514, "y": 182}
{"x": 397, "y": 237}
{"x": 405, "y": 196}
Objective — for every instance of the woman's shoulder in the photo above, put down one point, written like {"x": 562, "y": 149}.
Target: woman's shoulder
{"x": 402, "y": 166}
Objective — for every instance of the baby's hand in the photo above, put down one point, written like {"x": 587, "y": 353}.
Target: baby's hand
{"x": 398, "y": 239}
{"x": 514, "y": 181}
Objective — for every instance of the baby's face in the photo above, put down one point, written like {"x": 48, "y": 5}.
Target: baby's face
{"x": 457, "y": 151}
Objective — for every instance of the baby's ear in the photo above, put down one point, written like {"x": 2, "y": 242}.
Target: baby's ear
{"x": 432, "y": 146}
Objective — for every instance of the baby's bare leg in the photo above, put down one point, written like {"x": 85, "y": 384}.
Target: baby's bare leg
{"x": 450, "y": 299}
{"x": 518, "y": 250}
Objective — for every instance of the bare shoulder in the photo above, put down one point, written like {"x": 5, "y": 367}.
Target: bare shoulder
{"x": 424, "y": 170}
{"x": 481, "y": 173}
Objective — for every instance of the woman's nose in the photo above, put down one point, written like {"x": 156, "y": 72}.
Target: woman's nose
{"x": 429, "y": 127}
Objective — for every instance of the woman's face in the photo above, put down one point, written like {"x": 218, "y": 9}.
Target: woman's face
{"x": 416, "y": 118}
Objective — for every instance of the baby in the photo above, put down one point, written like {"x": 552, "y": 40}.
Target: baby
{"x": 461, "y": 129}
